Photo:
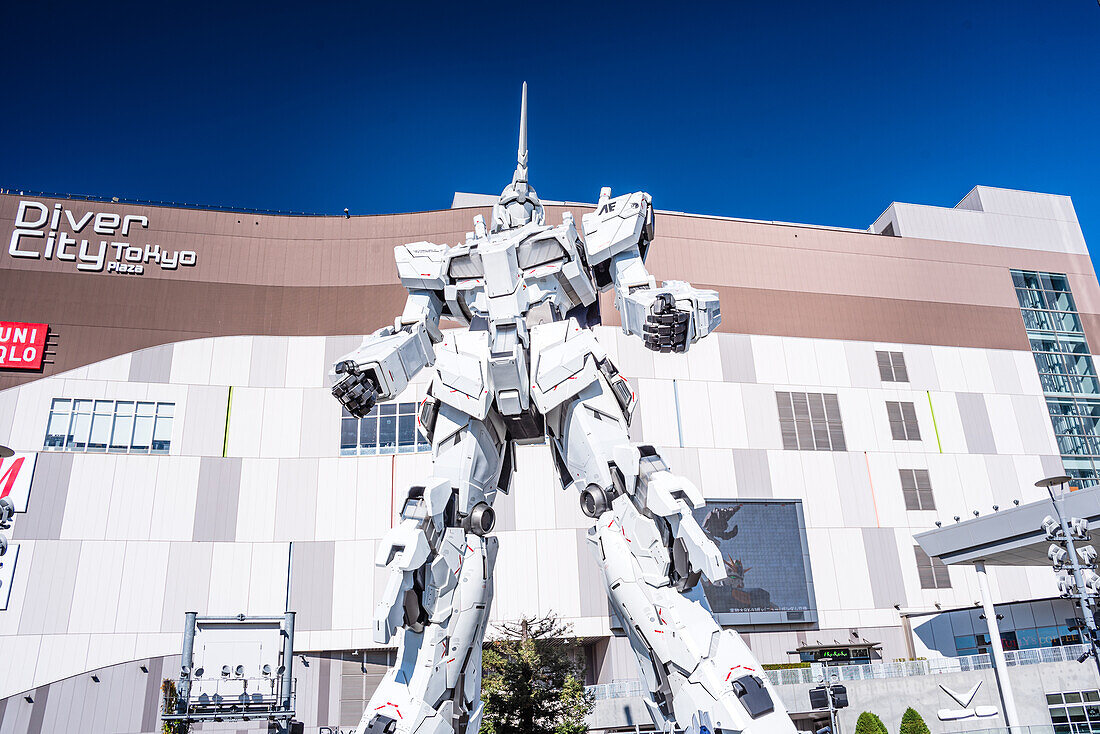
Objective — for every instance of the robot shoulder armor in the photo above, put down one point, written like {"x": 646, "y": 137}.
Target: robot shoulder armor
{"x": 421, "y": 265}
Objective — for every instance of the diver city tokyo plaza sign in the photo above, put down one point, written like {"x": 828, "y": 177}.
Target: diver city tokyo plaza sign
{"x": 94, "y": 242}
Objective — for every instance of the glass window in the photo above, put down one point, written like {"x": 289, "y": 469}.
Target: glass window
{"x": 1027, "y": 638}
{"x": 57, "y": 427}
{"x": 810, "y": 421}
{"x": 389, "y": 428}
{"x": 119, "y": 426}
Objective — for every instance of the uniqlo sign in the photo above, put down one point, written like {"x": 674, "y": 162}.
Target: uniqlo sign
{"x": 16, "y": 473}
{"x": 22, "y": 345}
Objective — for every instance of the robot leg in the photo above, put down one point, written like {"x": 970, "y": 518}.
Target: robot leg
{"x": 652, "y": 553}
{"x": 440, "y": 588}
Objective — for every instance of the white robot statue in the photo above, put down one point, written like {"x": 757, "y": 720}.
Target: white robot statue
{"x": 527, "y": 368}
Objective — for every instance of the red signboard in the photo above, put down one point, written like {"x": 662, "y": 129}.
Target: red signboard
{"x": 22, "y": 345}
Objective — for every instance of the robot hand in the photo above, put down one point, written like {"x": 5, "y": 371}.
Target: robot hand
{"x": 674, "y": 316}
{"x": 382, "y": 367}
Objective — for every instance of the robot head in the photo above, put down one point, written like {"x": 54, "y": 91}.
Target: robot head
{"x": 518, "y": 204}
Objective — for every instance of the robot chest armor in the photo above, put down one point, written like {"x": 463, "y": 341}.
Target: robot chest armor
{"x": 506, "y": 275}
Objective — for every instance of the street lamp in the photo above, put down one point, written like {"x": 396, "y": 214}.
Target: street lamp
{"x": 1084, "y": 584}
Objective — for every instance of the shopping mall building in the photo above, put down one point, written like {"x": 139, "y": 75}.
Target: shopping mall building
{"x": 165, "y": 384}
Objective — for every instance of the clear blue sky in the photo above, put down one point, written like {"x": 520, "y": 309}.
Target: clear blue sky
{"x": 811, "y": 112}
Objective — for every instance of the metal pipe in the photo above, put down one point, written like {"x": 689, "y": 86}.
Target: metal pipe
{"x": 287, "y": 687}
{"x": 187, "y": 661}
{"x": 1003, "y": 681}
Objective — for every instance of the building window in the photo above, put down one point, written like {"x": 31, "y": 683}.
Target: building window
{"x": 903, "y": 421}
{"x": 810, "y": 421}
{"x": 109, "y": 426}
{"x": 1074, "y": 712}
{"x": 932, "y": 571}
{"x": 891, "y": 367}
{"x": 917, "y": 489}
{"x": 1066, "y": 369}
{"x": 390, "y": 428}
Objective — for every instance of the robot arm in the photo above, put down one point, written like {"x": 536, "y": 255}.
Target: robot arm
{"x": 387, "y": 359}
{"x": 617, "y": 238}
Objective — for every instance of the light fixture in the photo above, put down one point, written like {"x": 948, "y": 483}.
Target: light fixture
{"x": 939, "y": 524}
{"x": 1016, "y": 502}
{"x": 239, "y": 671}
{"x": 266, "y": 670}
{"x": 143, "y": 668}
{"x": 226, "y": 671}
{"x": 6, "y": 453}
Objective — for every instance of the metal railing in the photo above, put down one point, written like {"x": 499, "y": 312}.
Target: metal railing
{"x": 875, "y": 671}
{"x": 154, "y": 202}
{"x": 231, "y": 699}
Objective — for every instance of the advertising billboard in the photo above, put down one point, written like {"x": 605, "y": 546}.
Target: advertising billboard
{"x": 763, "y": 544}
{"x": 22, "y": 345}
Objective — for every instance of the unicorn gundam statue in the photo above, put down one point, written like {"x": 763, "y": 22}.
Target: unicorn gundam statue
{"x": 528, "y": 369}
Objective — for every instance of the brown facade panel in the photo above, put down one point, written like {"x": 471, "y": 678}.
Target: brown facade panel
{"x": 291, "y": 275}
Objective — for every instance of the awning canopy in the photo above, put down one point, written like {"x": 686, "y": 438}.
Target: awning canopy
{"x": 1009, "y": 537}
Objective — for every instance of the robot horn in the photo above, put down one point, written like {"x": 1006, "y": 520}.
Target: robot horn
{"x": 521, "y": 155}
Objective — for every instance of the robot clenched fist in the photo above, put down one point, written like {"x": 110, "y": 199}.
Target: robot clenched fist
{"x": 529, "y": 367}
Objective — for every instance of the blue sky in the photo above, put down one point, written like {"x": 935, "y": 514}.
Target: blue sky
{"x": 801, "y": 111}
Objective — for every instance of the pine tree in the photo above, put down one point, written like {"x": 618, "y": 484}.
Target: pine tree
{"x": 866, "y": 724}
{"x": 533, "y": 680}
{"x": 912, "y": 723}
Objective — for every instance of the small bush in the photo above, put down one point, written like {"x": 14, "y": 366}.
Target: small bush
{"x": 912, "y": 723}
{"x": 867, "y": 724}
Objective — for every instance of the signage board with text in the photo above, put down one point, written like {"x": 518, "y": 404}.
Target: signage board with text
{"x": 22, "y": 345}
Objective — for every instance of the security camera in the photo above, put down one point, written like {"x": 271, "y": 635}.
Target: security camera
{"x": 226, "y": 671}
{"x": 939, "y": 524}
{"x": 996, "y": 508}
{"x": 239, "y": 671}
{"x": 1016, "y": 502}
{"x": 975, "y": 513}
{"x": 1057, "y": 555}
{"x": 1051, "y": 527}
{"x": 266, "y": 670}
{"x": 956, "y": 518}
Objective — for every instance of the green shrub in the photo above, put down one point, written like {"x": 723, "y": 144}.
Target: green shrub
{"x": 912, "y": 723}
{"x": 878, "y": 722}
{"x": 867, "y": 724}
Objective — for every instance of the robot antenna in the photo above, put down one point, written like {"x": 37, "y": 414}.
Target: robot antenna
{"x": 521, "y": 155}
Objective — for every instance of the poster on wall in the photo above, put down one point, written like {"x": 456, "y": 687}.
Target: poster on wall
{"x": 763, "y": 544}
{"x": 16, "y": 473}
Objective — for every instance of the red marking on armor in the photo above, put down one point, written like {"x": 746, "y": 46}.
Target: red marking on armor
{"x": 610, "y": 523}
{"x": 451, "y": 660}
{"x": 662, "y": 619}
{"x": 624, "y": 535}
{"x": 660, "y": 632}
